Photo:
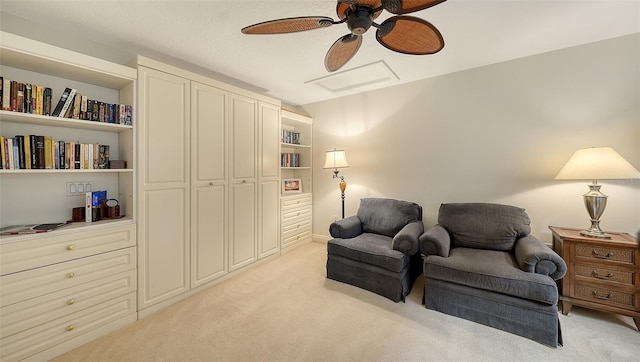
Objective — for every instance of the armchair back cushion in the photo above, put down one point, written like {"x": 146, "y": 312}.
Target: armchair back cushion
{"x": 483, "y": 225}
{"x": 387, "y": 216}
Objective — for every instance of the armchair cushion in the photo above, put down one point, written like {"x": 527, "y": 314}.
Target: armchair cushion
{"x": 491, "y": 270}
{"x": 484, "y": 226}
{"x": 346, "y": 228}
{"x": 534, "y": 256}
{"x": 370, "y": 249}
{"x": 406, "y": 240}
{"x": 387, "y": 216}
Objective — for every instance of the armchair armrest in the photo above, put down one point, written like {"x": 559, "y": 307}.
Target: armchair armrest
{"x": 346, "y": 228}
{"x": 435, "y": 241}
{"x": 534, "y": 256}
{"x": 406, "y": 240}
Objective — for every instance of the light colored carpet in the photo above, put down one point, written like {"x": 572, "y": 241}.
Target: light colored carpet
{"x": 286, "y": 310}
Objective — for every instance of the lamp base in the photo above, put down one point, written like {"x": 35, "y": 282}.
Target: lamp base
{"x": 593, "y": 233}
{"x": 595, "y": 202}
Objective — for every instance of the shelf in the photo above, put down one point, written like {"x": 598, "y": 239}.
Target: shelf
{"x": 28, "y": 118}
{"x": 70, "y": 228}
{"x": 52, "y": 171}
{"x": 295, "y": 168}
{"x": 293, "y": 145}
{"x": 32, "y": 55}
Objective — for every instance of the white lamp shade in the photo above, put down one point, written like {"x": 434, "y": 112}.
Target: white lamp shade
{"x": 335, "y": 159}
{"x": 597, "y": 163}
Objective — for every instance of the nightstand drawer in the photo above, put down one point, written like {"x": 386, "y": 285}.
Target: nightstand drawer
{"x": 604, "y": 254}
{"x": 621, "y": 276}
{"x": 605, "y": 296}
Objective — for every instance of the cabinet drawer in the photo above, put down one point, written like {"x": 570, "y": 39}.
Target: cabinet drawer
{"x": 33, "y": 312}
{"x": 292, "y": 227}
{"x": 605, "y": 295}
{"x": 604, "y": 254}
{"x": 39, "y": 251}
{"x": 292, "y": 202}
{"x": 296, "y": 213}
{"x": 38, "y": 282}
{"x": 292, "y": 238}
{"x": 31, "y": 341}
{"x": 621, "y": 276}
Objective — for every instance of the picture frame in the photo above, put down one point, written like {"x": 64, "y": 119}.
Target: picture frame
{"x": 291, "y": 186}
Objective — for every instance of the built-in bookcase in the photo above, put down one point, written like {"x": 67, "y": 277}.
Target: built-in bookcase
{"x": 295, "y": 148}
{"x": 30, "y": 196}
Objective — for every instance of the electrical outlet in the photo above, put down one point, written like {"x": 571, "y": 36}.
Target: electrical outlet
{"x": 80, "y": 187}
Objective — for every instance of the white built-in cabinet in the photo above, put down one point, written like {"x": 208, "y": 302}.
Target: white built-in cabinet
{"x": 296, "y": 208}
{"x": 64, "y": 288}
{"x": 209, "y": 181}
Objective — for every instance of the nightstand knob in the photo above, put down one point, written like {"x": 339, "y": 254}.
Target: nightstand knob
{"x": 596, "y": 275}
{"x": 603, "y": 297}
{"x": 70, "y": 247}
{"x": 71, "y": 301}
{"x": 597, "y": 255}
{"x": 71, "y": 275}
{"x": 70, "y": 328}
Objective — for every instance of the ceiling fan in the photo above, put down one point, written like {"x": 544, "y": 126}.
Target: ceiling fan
{"x": 400, "y": 33}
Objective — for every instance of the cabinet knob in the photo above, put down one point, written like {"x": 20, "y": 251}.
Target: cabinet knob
{"x": 71, "y": 301}
{"x": 210, "y": 183}
{"x": 244, "y": 181}
{"x": 70, "y": 275}
{"x": 70, "y": 247}
{"x": 70, "y": 328}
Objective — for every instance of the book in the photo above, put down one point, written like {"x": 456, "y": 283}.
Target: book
{"x": 61, "y": 102}
{"x": 6, "y": 94}
{"x": 48, "y": 156}
{"x": 93, "y": 205}
{"x": 103, "y": 157}
{"x": 77, "y": 103}
{"x": 27, "y": 152}
{"x": 30, "y": 229}
{"x": 18, "y": 144}
{"x": 2, "y": 156}
{"x": 46, "y": 101}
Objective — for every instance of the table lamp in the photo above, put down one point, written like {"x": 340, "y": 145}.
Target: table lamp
{"x": 596, "y": 163}
{"x": 336, "y": 159}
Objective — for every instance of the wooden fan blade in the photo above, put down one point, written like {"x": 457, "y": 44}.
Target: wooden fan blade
{"x": 408, "y": 6}
{"x": 410, "y": 35}
{"x": 341, "y": 51}
{"x": 288, "y": 25}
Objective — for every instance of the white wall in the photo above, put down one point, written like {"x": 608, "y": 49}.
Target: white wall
{"x": 498, "y": 133}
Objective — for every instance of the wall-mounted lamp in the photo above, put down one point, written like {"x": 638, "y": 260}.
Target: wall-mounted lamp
{"x": 596, "y": 163}
{"x": 336, "y": 159}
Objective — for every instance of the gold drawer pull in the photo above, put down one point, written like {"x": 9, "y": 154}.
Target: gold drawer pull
{"x": 603, "y": 297}
{"x": 71, "y": 301}
{"x": 596, "y": 275}
{"x": 70, "y": 328}
{"x": 70, "y": 247}
{"x": 71, "y": 275}
{"x": 597, "y": 255}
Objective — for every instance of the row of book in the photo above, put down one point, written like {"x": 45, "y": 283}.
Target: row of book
{"x": 290, "y": 160}
{"x": 290, "y": 137}
{"x": 36, "y": 99}
{"x": 42, "y": 152}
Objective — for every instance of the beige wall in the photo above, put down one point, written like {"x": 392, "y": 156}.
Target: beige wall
{"x": 498, "y": 133}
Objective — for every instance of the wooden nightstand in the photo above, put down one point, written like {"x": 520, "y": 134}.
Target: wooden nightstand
{"x": 602, "y": 274}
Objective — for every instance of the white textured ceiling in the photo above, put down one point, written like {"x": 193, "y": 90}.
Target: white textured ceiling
{"x": 206, "y": 33}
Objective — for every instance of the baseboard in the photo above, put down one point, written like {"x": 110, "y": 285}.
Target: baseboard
{"x": 319, "y": 238}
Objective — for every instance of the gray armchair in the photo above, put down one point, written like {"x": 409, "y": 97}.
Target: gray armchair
{"x": 483, "y": 265}
{"x": 377, "y": 249}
